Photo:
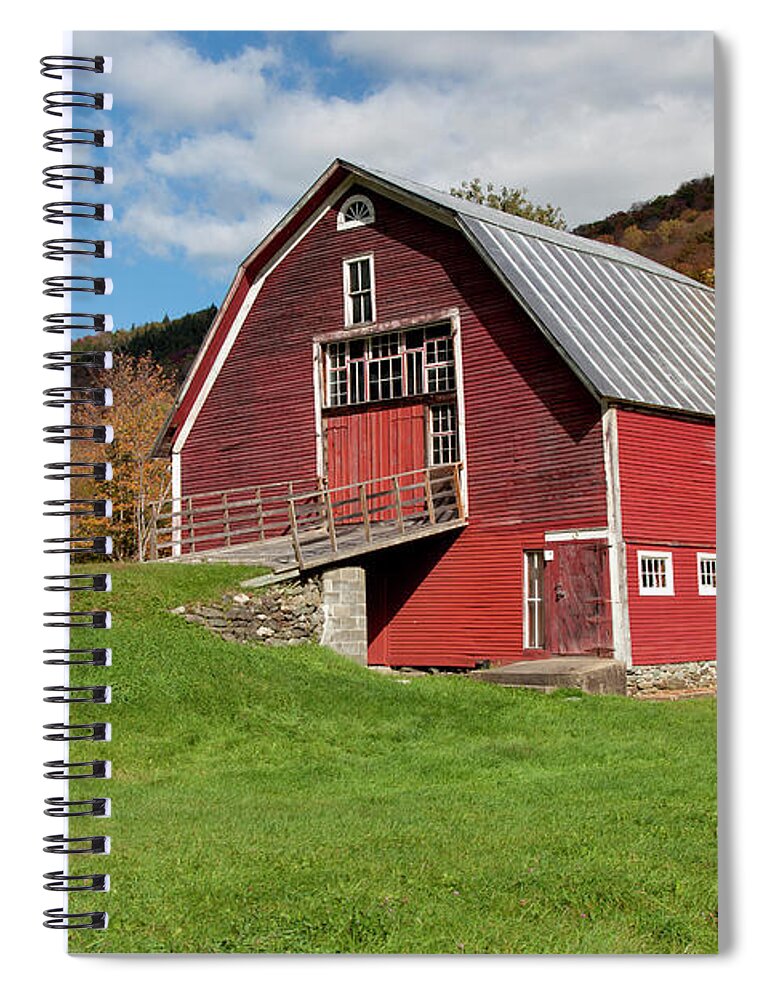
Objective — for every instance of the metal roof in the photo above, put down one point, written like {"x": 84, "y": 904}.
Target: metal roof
{"x": 633, "y": 329}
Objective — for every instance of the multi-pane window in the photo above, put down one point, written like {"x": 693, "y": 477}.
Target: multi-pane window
{"x": 386, "y": 379}
{"x": 443, "y": 434}
{"x": 338, "y": 374}
{"x": 707, "y": 573}
{"x": 439, "y": 364}
{"x": 390, "y": 365}
{"x": 534, "y": 618}
{"x": 656, "y": 573}
{"x": 359, "y": 291}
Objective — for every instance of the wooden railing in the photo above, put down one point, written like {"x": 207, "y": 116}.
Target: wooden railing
{"x": 411, "y": 500}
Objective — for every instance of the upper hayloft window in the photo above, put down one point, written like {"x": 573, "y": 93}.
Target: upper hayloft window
{"x": 356, "y": 211}
{"x": 358, "y": 286}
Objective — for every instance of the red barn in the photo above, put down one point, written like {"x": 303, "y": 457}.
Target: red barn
{"x": 507, "y": 428}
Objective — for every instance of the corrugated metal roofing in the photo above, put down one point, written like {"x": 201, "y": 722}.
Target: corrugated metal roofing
{"x": 634, "y": 329}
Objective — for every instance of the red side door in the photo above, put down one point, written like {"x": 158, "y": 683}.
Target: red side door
{"x": 578, "y": 616}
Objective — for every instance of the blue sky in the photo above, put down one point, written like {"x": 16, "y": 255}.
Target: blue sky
{"x": 218, "y": 133}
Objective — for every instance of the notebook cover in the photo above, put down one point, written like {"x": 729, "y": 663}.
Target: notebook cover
{"x": 413, "y": 621}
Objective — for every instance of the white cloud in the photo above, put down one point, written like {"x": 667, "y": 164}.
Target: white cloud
{"x": 212, "y": 242}
{"x": 164, "y": 80}
{"x": 588, "y": 121}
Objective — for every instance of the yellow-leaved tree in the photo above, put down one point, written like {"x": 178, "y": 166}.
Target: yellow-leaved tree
{"x": 142, "y": 396}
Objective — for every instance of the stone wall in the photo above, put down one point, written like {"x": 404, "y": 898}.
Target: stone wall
{"x": 657, "y": 678}
{"x": 344, "y": 602}
{"x": 329, "y": 609}
{"x": 282, "y": 615}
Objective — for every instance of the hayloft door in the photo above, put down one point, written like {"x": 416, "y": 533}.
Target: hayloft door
{"x": 374, "y": 443}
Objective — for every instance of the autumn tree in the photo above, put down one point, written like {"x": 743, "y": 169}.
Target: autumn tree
{"x": 514, "y": 201}
{"x": 142, "y": 395}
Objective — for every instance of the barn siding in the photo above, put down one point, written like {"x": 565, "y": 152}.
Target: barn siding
{"x": 668, "y": 499}
{"x": 533, "y": 432}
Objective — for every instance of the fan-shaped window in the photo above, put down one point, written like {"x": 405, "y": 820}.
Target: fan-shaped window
{"x": 356, "y": 211}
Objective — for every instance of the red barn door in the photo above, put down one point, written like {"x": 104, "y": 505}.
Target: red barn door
{"x": 578, "y": 615}
{"x": 375, "y": 442}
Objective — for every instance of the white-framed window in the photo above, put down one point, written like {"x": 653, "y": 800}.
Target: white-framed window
{"x": 656, "y": 573}
{"x": 414, "y": 362}
{"x": 357, "y": 210}
{"x": 707, "y": 573}
{"x": 534, "y": 605}
{"x": 443, "y": 446}
{"x": 358, "y": 282}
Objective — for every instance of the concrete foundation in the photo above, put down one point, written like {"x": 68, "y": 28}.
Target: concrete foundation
{"x": 344, "y": 606}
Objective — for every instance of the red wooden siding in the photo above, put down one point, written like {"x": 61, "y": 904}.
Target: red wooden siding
{"x": 247, "y": 273}
{"x": 671, "y": 629}
{"x": 449, "y": 603}
{"x": 668, "y": 499}
{"x": 533, "y": 432}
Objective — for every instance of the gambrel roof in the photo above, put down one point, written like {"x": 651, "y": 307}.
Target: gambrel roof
{"x": 632, "y": 330}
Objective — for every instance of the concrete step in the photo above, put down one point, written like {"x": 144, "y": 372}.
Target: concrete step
{"x": 595, "y": 675}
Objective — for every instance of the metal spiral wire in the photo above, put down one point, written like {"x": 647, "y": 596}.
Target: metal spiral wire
{"x": 63, "y": 177}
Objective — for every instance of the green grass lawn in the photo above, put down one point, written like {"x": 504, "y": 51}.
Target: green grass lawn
{"x": 287, "y": 800}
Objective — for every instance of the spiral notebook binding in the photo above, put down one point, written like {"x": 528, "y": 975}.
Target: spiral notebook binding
{"x": 90, "y": 322}
{"x": 70, "y": 807}
{"x": 60, "y": 361}
{"x": 54, "y": 65}
{"x": 57, "y": 138}
{"x": 63, "y": 177}
{"x": 60, "y": 173}
{"x": 61, "y": 248}
{"x": 91, "y": 694}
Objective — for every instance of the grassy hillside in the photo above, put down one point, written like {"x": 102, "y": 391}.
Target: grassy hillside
{"x": 288, "y": 800}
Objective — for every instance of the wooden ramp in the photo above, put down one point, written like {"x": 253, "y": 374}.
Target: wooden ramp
{"x": 292, "y": 529}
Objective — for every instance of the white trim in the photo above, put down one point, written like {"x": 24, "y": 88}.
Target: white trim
{"x": 432, "y": 433}
{"x": 176, "y": 502}
{"x": 343, "y": 223}
{"x": 407, "y": 199}
{"x": 318, "y": 397}
{"x": 347, "y": 303}
{"x": 216, "y": 368}
{"x": 454, "y": 319}
{"x": 705, "y": 590}
{"x": 577, "y": 535}
{"x": 667, "y": 557}
{"x": 621, "y": 624}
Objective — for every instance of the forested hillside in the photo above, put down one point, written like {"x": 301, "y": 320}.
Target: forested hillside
{"x": 171, "y": 343}
{"x": 675, "y": 229}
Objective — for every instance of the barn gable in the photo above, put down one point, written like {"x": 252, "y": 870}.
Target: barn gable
{"x": 632, "y": 330}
